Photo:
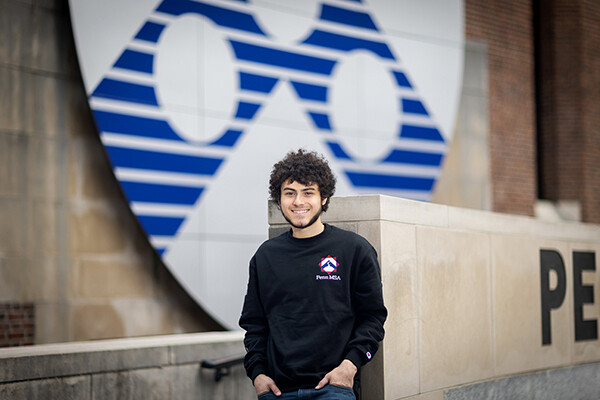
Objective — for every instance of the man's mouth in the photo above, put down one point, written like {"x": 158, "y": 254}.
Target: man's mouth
{"x": 300, "y": 212}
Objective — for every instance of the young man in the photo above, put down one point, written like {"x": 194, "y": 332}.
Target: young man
{"x": 314, "y": 311}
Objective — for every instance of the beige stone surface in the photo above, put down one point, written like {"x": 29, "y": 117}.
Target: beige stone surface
{"x": 497, "y": 223}
{"x": 12, "y": 149}
{"x": 48, "y": 104}
{"x": 413, "y": 212}
{"x": 517, "y": 307}
{"x": 96, "y": 229}
{"x": 105, "y": 278}
{"x": 44, "y": 236}
{"x": 97, "y": 321}
{"x": 400, "y": 277}
{"x": 30, "y": 279}
{"x": 16, "y": 100}
{"x": 51, "y": 322}
{"x": 455, "y": 307}
{"x": 44, "y": 169}
{"x": 13, "y": 230}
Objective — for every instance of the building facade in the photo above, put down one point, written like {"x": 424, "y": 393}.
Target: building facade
{"x": 74, "y": 262}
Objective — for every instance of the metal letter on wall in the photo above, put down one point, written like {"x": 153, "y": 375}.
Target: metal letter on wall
{"x": 583, "y": 294}
{"x": 551, "y": 260}
{"x": 195, "y": 100}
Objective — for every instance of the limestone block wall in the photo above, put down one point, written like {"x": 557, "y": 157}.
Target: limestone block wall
{"x": 465, "y": 291}
{"x": 165, "y": 367}
{"x": 69, "y": 245}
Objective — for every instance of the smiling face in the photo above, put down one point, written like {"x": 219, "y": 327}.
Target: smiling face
{"x": 301, "y": 205}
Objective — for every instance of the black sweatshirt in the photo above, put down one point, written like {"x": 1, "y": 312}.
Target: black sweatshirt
{"x": 310, "y": 304}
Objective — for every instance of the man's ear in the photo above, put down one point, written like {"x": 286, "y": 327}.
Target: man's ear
{"x": 324, "y": 201}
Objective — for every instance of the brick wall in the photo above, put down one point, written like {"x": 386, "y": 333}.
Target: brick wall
{"x": 17, "y": 324}
{"x": 507, "y": 28}
{"x": 569, "y": 84}
{"x": 556, "y": 134}
{"x": 591, "y": 110}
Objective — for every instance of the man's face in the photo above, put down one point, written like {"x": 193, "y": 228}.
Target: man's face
{"x": 301, "y": 205}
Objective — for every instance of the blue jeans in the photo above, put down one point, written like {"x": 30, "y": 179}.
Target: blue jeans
{"x": 329, "y": 392}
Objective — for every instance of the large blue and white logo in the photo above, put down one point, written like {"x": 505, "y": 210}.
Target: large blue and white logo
{"x": 195, "y": 101}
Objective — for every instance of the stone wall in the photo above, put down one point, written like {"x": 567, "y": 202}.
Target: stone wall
{"x": 69, "y": 244}
{"x": 160, "y": 368}
{"x": 468, "y": 293}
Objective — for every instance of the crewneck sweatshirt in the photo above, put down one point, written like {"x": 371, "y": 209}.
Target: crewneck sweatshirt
{"x": 310, "y": 304}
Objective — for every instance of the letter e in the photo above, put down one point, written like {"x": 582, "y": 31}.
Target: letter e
{"x": 584, "y": 329}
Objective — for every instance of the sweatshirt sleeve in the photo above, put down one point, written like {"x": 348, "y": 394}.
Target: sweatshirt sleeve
{"x": 370, "y": 312}
{"x": 254, "y": 322}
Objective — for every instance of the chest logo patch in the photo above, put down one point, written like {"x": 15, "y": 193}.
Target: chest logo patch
{"x": 329, "y": 264}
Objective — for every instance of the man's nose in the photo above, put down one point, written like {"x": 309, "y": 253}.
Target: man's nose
{"x": 298, "y": 199}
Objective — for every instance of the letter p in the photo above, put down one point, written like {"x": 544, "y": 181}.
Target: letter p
{"x": 551, "y": 298}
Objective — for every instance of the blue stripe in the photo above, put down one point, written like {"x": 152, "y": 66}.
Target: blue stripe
{"x": 308, "y": 91}
{"x": 154, "y": 193}
{"x": 347, "y": 43}
{"x": 150, "y": 32}
{"x": 413, "y": 107}
{"x": 151, "y": 160}
{"x": 338, "y": 151}
{"x": 280, "y": 58}
{"x": 136, "y": 61}
{"x": 229, "y": 138}
{"x": 365, "y": 180}
{"x": 246, "y": 110}
{"x": 160, "y": 250}
{"x": 421, "y": 132}
{"x": 257, "y": 83}
{"x": 220, "y": 16}
{"x": 160, "y": 226}
{"x": 347, "y": 17}
{"x": 414, "y": 157}
{"x": 321, "y": 120}
{"x": 125, "y": 91}
{"x": 138, "y": 126}
{"x": 401, "y": 79}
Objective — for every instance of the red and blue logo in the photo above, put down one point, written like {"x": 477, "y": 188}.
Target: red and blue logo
{"x": 329, "y": 264}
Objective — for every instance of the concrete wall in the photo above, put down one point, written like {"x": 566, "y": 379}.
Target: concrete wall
{"x": 69, "y": 245}
{"x": 463, "y": 289}
{"x": 159, "y": 368}
{"x": 465, "y": 179}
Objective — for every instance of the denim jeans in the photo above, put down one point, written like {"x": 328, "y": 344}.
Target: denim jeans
{"x": 329, "y": 392}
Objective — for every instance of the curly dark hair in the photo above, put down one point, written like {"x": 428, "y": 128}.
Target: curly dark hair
{"x": 304, "y": 167}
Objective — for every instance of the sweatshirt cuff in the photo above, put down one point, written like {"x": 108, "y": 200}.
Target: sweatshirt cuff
{"x": 256, "y": 371}
{"x": 356, "y": 356}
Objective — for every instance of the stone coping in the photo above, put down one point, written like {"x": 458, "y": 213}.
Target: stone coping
{"x": 79, "y": 358}
{"x": 387, "y": 208}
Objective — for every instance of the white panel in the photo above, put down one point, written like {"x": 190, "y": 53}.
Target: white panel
{"x": 196, "y": 79}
